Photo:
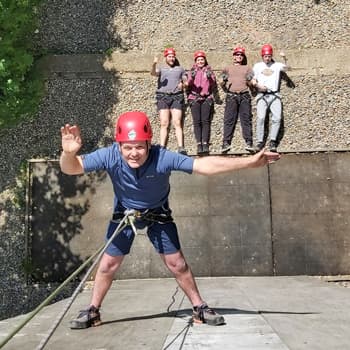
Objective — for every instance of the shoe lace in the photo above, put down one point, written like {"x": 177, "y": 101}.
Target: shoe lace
{"x": 83, "y": 313}
{"x": 87, "y": 311}
{"x": 208, "y": 310}
{"x": 205, "y": 308}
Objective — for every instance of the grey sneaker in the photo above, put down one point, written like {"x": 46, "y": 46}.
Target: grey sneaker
{"x": 273, "y": 146}
{"x": 204, "y": 314}
{"x": 259, "y": 146}
{"x": 199, "y": 148}
{"x": 182, "y": 150}
{"x": 87, "y": 318}
{"x": 205, "y": 148}
{"x": 249, "y": 147}
{"x": 225, "y": 147}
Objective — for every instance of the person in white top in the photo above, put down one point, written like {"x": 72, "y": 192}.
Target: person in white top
{"x": 267, "y": 80}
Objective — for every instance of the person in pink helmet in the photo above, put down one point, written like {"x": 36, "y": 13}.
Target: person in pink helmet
{"x": 236, "y": 82}
{"x": 140, "y": 172}
{"x": 267, "y": 81}
{"x": 170, "y": 97}
{"x": 201, "y": 85}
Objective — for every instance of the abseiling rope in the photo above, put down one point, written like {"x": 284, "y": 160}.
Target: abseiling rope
{"x": 127, "y": 220}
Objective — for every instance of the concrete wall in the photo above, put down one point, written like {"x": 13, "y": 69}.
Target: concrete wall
{"x": 313, "y": 35}
{"x": 310, "y": 198}
{"x": 286, "y": 219}
{"x": 88, "y": 87}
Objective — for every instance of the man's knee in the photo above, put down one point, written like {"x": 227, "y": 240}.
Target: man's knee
{"x": 109, "y": 266}
{"x": 178, "y": 265}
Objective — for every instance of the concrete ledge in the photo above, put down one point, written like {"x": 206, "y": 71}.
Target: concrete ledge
{"x": 303, "y": 62}
{"x": 73, "y": 66}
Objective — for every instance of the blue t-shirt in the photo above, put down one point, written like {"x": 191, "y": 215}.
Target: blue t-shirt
{"x": 146, "y": 187}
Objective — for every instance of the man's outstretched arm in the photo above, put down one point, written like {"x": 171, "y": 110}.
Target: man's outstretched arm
{"x": 218, "y": 164}
{"x": 70, "y": 162}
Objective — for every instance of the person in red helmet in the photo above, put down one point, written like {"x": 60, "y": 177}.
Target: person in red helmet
{"x": 267, "y": 81}
{"x": 201, "y": 85}
{"x": 170, "y": 97}
{"x": 139, "y": 172}
{"x": 236, "y": 81}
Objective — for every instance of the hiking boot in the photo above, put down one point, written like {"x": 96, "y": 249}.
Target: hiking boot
{"x": 205, "y": 148}
{"x": 225, "y": 147}
{"x": 273, "y": 146}
{"x": 199, "y": 149}
{"x": 259, "y": 146}
{"x": 249, "y": 147}
{"x": 87, "y": 318}
{"x": 204, "y": 314}
{"x": 182, "y": 150}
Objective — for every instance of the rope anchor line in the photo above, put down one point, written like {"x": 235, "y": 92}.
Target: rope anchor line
{"x": 128, "y": 220}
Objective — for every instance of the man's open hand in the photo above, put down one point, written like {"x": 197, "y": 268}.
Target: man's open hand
{"x": 71, "y": 139}
{"x": 265, "y": 157}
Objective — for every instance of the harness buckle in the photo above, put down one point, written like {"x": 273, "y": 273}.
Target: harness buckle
{"x": 133, "y": 212}
{"x": 138, "y": 214}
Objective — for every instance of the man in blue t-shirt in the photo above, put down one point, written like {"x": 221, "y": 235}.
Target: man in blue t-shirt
{"x": 140, "y": 174}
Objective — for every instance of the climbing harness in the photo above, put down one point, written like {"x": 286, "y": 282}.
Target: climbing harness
{"x": 208, "y": 72}
{"x": 264, "y": 94}
{"x": 164, "y": 94}
{"x": 159, "y": 215}
{"x": 128, "y": 219}
{"x": 199, "y": 98}
{"x": 175, "y": 95}
{"x": 238, "y": 96}
{"x": 193, "y": 72}
{"x": 170, "y": 97}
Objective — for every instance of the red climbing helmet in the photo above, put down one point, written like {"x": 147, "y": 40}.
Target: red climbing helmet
{"x": 199, "y": 53}
{"x": 239, "y": 49}
{"x": 169, "y": 51}
{"x": 133, "y": 126}
{"x": 266, "y": 50}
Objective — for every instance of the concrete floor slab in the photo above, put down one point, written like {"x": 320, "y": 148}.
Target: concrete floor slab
{"x": 282, "y": 313}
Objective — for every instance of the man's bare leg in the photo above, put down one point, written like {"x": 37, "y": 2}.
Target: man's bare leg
{"x": 107, "y": 268}
{"x": 103, "y": 280}
{"x": 176, "y": 263}
{"x": 202, "y": 313}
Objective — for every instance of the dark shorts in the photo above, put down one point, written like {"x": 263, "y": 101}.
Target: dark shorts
{"x": 174, "y": 101}
{"x": 163, "y": 236}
